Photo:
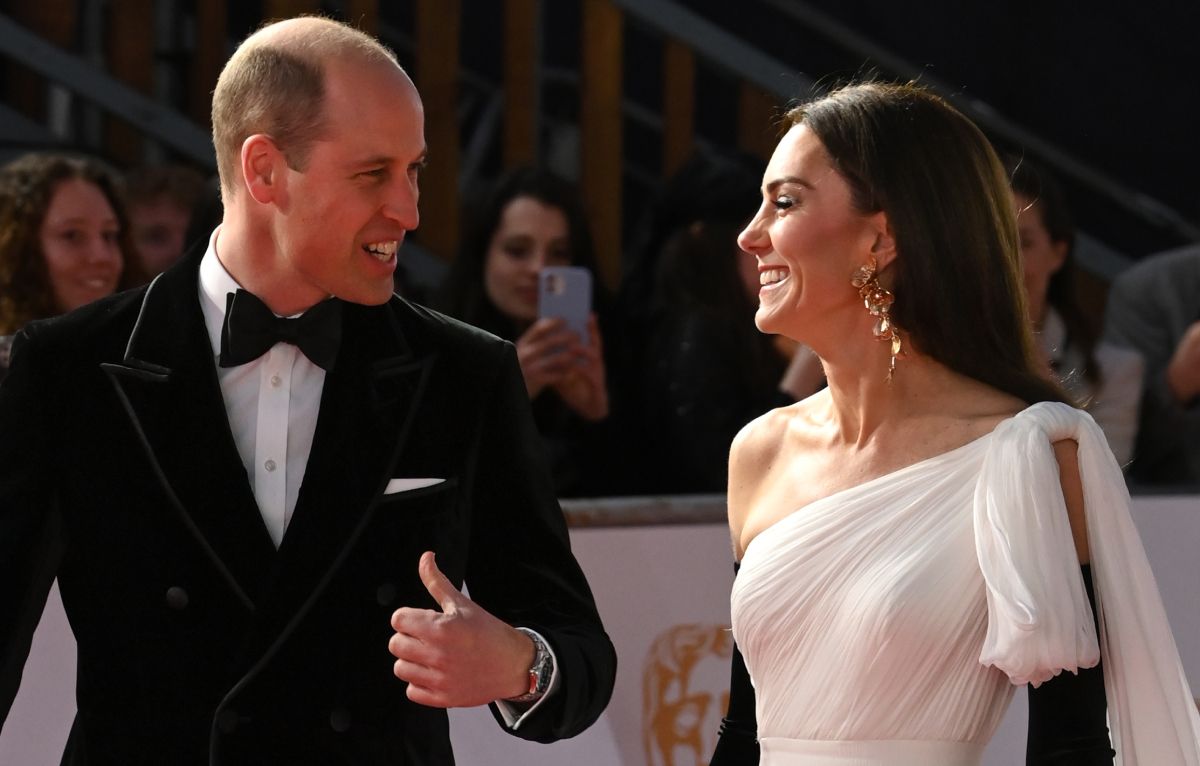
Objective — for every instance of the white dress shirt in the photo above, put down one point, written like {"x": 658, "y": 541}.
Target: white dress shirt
{"x": 272, "y": 404}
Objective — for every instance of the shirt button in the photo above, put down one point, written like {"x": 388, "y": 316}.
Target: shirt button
{"x": 269, "y": 465}
{"x": 276, "y": 381}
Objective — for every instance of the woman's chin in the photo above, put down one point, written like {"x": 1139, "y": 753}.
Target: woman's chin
{"x": 765, "y": 321}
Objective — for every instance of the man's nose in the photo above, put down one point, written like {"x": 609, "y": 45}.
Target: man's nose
{"x": 401, "y": 205}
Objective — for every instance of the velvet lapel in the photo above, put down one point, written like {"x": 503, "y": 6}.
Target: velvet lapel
{"x": 366, "y": 409}
{"x": 168, "y": 385}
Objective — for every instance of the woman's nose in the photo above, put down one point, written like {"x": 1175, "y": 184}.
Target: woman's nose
{"x": 538, "y": 261}
{"x": 753, "y": 239}
{"x": 100, "y": 250}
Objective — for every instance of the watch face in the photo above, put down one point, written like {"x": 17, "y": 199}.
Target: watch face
{"x": 543, "y": 673}
{"x": 542, "y": 669}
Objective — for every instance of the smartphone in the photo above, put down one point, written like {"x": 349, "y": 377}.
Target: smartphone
{"x": 566, "y": 292}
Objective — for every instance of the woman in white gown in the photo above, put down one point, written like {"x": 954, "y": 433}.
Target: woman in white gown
{"x": 911, "y": 538}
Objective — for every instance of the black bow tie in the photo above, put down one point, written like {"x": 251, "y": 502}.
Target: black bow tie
{"x": 251, "y": 329}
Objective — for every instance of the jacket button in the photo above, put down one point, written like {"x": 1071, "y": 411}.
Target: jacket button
{"x": 385, "y": 594}
{"x": 339, "y": 720}
{"x": 227, "y": 721}
{"x": 177, "y": 598}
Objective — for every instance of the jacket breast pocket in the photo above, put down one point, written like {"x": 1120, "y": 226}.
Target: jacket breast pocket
{"x": 418, "y": 498}
{"x": 406, "y": 523}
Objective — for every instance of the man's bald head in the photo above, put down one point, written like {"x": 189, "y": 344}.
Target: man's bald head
{"x": 274, "y": 84}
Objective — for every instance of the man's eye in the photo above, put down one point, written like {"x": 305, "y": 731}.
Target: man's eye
{"x": 783, "y": 203}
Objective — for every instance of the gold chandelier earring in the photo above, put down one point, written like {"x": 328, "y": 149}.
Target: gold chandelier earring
{"x": 879, "y": 303}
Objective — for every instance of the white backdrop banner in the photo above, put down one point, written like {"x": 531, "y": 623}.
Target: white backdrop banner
{"x": 663, "y": 592}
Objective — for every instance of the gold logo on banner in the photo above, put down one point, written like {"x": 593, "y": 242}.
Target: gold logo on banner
{"x": 685, "y": 691}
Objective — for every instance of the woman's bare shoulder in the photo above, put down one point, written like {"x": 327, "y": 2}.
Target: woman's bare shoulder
{"x": 972, "y": 410}
{"x": 766, "y": 434}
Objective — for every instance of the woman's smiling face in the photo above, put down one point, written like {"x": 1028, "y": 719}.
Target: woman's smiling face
{"x": 79, "y": 243}
{"x": 807, "y": 239}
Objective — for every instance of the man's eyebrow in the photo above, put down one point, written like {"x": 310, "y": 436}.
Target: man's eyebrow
{"x": 385, "y": 159}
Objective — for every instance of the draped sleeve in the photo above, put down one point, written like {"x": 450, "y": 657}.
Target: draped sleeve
{"x": 1039, "y": 619}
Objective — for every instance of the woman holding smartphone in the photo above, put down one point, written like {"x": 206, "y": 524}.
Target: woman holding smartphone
{"x": 532, "y": 219}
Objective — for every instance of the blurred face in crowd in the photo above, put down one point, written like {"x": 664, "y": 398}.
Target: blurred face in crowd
{"x": 158, "y": 228}
{"x": 530, "y": 235}
{"x": 79, "y": 243}
{"x": 1041, "y": 257}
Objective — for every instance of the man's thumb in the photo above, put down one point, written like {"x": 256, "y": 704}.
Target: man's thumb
{"x": 442, "y": 590}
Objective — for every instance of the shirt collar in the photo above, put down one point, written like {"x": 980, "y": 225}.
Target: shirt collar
{"x": 215, "y": 286}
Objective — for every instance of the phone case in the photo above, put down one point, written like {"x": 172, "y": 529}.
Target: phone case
{"x": 566, "y": 292}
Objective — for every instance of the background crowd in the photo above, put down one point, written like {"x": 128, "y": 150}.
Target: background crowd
{"x": 672, "y": 366}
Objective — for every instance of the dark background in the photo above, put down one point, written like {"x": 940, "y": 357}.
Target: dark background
{"x": 1112, "y": 84}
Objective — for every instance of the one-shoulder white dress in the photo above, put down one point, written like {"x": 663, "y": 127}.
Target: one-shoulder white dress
{"x": 886, "y": 624}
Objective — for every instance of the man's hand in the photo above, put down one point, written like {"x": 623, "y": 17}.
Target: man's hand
{"x": 461, "y": 656}
{"x": 1183, "y": 372}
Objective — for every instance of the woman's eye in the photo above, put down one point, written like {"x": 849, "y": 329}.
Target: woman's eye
{"x": 516, "y": 251}
{"x": 111, "y": 237}
{"x": 783, "y": 203}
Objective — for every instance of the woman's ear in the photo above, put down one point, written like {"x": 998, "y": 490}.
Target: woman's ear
{"x": 262, "y": 166}
{"x": 883, "y": 246}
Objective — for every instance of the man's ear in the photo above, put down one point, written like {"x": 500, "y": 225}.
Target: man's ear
{"x": 262, "y": 169}
{"x": 883, "y": 248}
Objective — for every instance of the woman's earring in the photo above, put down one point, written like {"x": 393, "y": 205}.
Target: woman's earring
{"x": 879, "y": 302}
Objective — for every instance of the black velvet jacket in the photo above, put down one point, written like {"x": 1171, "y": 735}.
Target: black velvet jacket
{"x": 198, "y": 641}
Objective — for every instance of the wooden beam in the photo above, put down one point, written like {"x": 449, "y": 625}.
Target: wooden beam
{"x": 522, "y": 80}
{"x": 679, "y": 104}
{"x": 437, "y": 79}
{"x": 600, "y": 132}
{"x": 212, "y": 50}
{"x": 759, "y": 123}
{"x": 130, "y": 52}
{"x": 57, "y": 21}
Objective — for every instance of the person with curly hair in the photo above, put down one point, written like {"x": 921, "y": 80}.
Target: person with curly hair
{"x": 63, "y": 239}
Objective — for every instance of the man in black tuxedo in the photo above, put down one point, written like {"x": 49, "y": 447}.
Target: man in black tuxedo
{"x": 241, "y": 473}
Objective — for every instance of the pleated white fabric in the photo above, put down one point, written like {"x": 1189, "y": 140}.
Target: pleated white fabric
{"x": 905, "y": 608}
{"x": 1037, "y": 626}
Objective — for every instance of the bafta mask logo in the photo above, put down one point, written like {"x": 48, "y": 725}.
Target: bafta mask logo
{"x": 685, "y": 691}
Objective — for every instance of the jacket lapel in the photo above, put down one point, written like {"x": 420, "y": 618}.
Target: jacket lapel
{"x": 167, "y": 384}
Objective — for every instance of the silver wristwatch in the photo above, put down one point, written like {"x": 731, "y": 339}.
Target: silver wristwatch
{"x": 539, "y": 672}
